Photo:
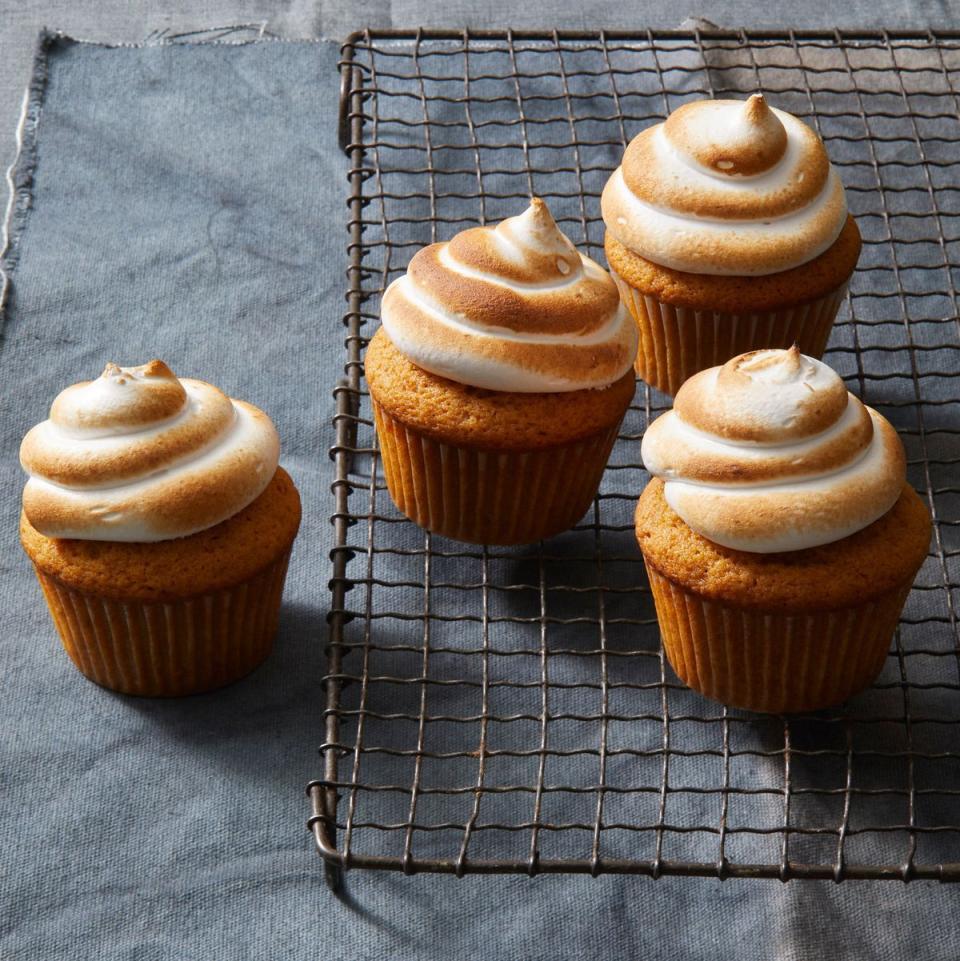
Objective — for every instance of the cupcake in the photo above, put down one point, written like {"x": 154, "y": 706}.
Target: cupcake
{"x": 160, "y": 527}
{"x": 499, "y": 379}
{"x": 727, "y": 231}
{"x": 779, "y": 534}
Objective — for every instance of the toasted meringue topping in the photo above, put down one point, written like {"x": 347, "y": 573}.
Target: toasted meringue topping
{"x": 140, "y": 455}
{"x": 511, "y": 308}
{"x": 770, "y": 453}
{"x": 726, "y": 187}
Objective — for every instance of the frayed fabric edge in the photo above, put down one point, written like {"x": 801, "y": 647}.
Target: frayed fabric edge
{"x": 21, "y": 171}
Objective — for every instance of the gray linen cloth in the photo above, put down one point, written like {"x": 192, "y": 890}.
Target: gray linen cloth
{"x": 187, "y": 202}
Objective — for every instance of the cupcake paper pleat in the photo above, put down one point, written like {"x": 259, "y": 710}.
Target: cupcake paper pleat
{"x": 490, "y": 497}
{"x": 167, "y": 650}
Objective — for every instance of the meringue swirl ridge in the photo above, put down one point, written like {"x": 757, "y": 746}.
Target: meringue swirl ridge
{"x": 770, "y": 453}
{"x": 726, "y": 187}
{"x": 139, "y": 455}
{"x": 511, "y": 308}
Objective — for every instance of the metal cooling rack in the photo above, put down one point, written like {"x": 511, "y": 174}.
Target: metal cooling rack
{"x": 510, "y": 710}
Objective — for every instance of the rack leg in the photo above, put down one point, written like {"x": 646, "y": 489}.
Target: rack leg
{"x": 333, "y": 875}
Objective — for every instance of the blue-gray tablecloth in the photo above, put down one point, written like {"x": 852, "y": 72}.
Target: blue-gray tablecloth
{"x": 186, "y": 202}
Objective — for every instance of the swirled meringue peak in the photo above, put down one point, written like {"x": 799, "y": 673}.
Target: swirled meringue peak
{"x": 727, "y": 187}
{"x": 140, "y": 455}
{"x": 770, "y": 453}
{"x": 511, "y": 308}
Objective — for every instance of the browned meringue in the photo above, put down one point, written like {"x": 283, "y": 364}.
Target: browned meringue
{"x": 770, "y": 453}
{"x": 140, "y": 455}
{"x": 511, "y": 308}
{"x": 726, "y": 187}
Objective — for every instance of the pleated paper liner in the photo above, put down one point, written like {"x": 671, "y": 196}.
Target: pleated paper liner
{"x": 169, "y": 649}
{"x": 490, "y": 497}
{"x": 774, "y": 663}
{"x": 677, "y": 342}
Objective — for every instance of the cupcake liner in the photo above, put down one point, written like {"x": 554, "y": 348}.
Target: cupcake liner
{"x": 677, "y": 342}
{"x": 169, "y": 649}
{"x": 773, "y": 662}
{"x": 490, "y": 497}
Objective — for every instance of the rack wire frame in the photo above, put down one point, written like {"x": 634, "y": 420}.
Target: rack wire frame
{"x": 869, "y": 790}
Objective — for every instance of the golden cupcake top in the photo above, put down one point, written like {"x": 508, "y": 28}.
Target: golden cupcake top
{"x": 511, "y": 308}
{"x": 141, "y": 455}
{"x": 771, "y": 453}
{"x": 726, "y": 187}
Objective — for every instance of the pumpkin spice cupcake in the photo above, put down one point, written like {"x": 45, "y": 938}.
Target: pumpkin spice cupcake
{"x": 779, "y": 534}
{"x": 160, "y": 526}
{"x": 499, "y": 379}
{"x": 727, "y": 231}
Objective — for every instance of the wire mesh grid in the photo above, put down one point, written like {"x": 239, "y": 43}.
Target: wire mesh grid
{"x": 510, "y": 709}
